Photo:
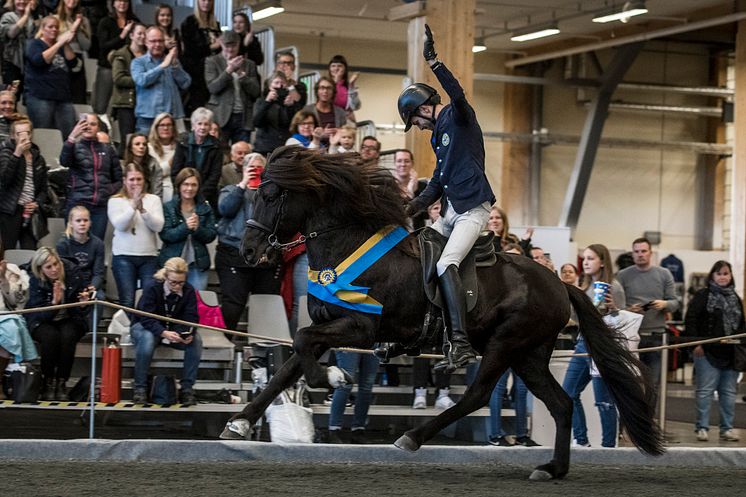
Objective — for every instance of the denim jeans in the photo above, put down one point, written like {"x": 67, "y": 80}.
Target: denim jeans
{"x": 143, "y": 124}
{"x": 197, "y": 278}
{"x": 300, "y": 288}
{"x": 145, "y": 343}
{"x": 127, "y": 269}
{"x": 709, "y": 378}
{"x": 51, "y": 114}
{"x": 577, "y": 377}
{"x": 363, "y": 368}
{"x": 519, "y": 404}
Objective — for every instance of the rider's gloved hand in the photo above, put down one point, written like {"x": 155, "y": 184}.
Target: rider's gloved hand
{"x": 411, "y": 209}
{"x": 428, "y": 51}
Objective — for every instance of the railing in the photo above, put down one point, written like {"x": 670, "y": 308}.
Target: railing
{"x": 663, "y": 348}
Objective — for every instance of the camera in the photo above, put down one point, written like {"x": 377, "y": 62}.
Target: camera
{"x": 282, "y": 93}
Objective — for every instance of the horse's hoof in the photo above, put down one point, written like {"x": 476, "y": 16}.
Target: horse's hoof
{"x": 405, "y": 442}
{"x": 540, "y": 475}
{"x": 338, "y": 377}
{"x": 240, "y": 429}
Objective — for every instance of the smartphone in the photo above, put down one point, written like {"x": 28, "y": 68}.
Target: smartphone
{"x": 647, "y": 306}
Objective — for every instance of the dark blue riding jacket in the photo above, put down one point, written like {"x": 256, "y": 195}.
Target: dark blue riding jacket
{"x": 459, "y": 149}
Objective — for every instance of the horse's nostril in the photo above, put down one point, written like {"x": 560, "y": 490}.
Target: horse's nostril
{"x": 248, "y": 253}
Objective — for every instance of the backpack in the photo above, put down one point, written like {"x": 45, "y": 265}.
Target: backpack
{"x": 163, "y": 390}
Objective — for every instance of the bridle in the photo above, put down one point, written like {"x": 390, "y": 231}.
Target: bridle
{"x": 272, "y": 235}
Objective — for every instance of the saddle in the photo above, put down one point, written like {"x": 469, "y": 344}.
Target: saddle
{"x": 431, "y": 247}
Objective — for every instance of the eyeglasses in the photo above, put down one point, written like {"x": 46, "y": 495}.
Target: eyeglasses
{"x": 327, "y": 88}
{"x": 307, "y": 123}
{"x": 285, "y": 63}
{"x": 368, "y": 147}
{"x": 175, "y": 283}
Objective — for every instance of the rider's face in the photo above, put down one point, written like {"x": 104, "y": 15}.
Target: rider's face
{"x": 422, "y": 118}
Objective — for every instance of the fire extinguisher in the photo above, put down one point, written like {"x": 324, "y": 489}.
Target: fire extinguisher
{"x": 111, "y": 372}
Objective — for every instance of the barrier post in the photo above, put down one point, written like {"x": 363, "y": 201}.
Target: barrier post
{"x": 92, "y": 393}
{"x": 664, "y": 382}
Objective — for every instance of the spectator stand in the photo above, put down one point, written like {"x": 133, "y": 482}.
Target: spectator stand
{"x": 309, "y": 79}
{"x": 266, "y": 37}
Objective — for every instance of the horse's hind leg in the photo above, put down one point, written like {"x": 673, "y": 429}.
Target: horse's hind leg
{"x": 239, "y": 426}
{"x": 493, "y": 365}
{"x": 534, "y": 371}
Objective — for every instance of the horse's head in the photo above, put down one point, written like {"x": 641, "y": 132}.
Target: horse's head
{"x": 277, "y": 217}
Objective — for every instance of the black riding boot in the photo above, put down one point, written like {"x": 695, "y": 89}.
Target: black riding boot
{"x": 460, "y": 353}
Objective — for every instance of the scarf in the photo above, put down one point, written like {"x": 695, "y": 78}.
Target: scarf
{"x": 724, "y": 299}
{"x": 305, "y": 141}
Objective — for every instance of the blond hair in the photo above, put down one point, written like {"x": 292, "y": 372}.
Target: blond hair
{"x": 40, "y": 257}
{"x": 173, "y": 265}
{"x": 73, "y": 211}
{"x": 132, "y": 166}
{"x": 44, "y": 21}
{"x": 210, "y": 22}
{"x": 153, "y": 139}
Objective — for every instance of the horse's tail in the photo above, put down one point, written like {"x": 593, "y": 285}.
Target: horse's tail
{"x": 632, "y": 392}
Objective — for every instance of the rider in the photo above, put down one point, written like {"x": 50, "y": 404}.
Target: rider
{"x": 459, "y": 180}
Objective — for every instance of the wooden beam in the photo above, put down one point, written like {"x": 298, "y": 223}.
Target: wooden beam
{"x": 738, "y": 175}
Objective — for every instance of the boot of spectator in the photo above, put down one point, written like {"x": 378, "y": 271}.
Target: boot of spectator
{"x": 60, "y": 390}
{"x": 47, "y": 391}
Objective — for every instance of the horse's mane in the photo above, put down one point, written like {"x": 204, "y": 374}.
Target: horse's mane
{"x": 345, "y": 185}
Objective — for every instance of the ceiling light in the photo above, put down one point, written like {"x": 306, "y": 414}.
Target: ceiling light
{"x": 479, "y": 45}
{"x": 623, "y": 13}
{"x": 535, "y": 32}
{"x": 262, "y": 10}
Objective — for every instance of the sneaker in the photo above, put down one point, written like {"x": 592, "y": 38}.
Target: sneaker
{"x": 444, "y": 401}
{"x": 729, "y": 436}
{"x": 139, "y": 396}
{"x": 702, "y": 435}
{"x": 328, "y": 400}
{"x": 333, "y": 437}
{"x": 501, "y": 442}
{"x": 575, "y": 443}
{"x": 420, "y": 398}
{"x": 526, "y": 441}
{"x": 187, "y": 398}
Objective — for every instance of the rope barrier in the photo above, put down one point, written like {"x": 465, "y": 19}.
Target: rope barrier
{"x": 263, "y": 338}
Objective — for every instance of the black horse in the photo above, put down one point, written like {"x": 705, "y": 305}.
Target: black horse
{"x": 337, "y": 202}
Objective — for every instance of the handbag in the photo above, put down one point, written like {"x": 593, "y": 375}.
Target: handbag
{"x": 24, "y": 384}
{"x": 289, "y": 421}
{"x": 209, "y": 315}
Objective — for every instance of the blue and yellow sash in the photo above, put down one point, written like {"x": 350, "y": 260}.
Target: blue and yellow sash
{"x": 334, "y": 286}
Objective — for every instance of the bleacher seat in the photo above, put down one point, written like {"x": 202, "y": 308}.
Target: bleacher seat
{"x": 49, "y": 142}
{"x": 267, "y": 317}
{"x": 82, "y": 109}
{"x": 18, "y": 256}
{"x": 56, "y": 226}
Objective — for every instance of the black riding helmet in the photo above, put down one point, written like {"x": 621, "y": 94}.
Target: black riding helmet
{"x": 414, "y": 96}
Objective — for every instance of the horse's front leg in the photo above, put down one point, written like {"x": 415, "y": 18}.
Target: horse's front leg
{"x": 311, "y": 342}
{"x": 239, "y": 426}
